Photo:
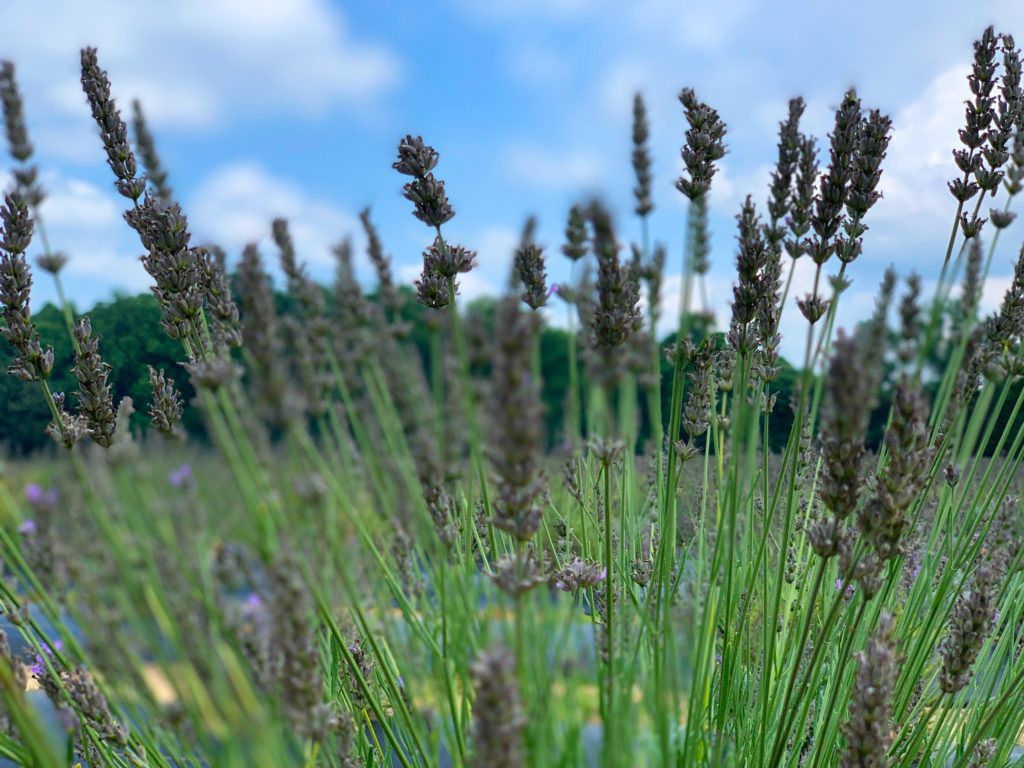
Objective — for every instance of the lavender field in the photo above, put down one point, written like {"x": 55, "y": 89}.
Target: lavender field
{"x": 255, "y": 518}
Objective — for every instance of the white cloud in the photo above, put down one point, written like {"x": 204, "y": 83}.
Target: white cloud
{"x": 195, "y": 61}
{"x": 702, "y": 26}
{"x": 235, "y": 204}
{"x": 79, "y": 206}
{"x": 920, "y": 160}
{"x": 731, "y": 187}
{"x": 86, "y": 222}
{"x": 551, "y": 169}
{"x": 495, "y": 248}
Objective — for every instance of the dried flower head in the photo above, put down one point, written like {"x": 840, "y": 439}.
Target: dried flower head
{"x": 432, "y": 288}
{"x": 68, "y": 428}
{"x": 697, "y": 411}
{"x": 308, "y": 330}
{"x": 850, "y": 397}
{"x": 14, "y": 118}
{"x": 979, "y": 115}
{"x": 389, "y": 297}
{"x": 52, "y": 262}
{"x": 910, "y": 311}
{"x": 1000, "y": 218}
{"x": 641, "y": 158}
{"x": 430, "y": 200}
{"x": 96, "y": 402}
{"x": 165, "y": 407}
{"x": 834, "y": 184}
{"x": 529, "y": 263}
{"x": 219, "y": 300}
{"x": 869, "y": 731}
{"x": 518, "y": 448}
{"x": 579, "y": 574}
{"x": 802, "y": 201}
{"x": 92, "y": 705}
{"x": 26, "y": 175}
{"x": 872, "y": 146}
{"x": 497, "y": 713}
{"x": 113, "y": 131}
{"x": 178, "y": 270}
{"x": 617, "y": 315}
{"x": 31, "y": 362}
{"x": 301, "y": 680}
{"x": 427, "y": 193}
{"x": 448, "y": 260}
{"x": 781, "y": 190}
{"x": 263, "y": 343}
{"x": 883, "y": 519}
{"x": 751, "y": 260}
{"x": 515, "y": 576}
{"x": 704, "y": 145}
{"x": 575, "y": 234}
{"x": 414, "y": 157}
{"x": 969, "y": 625}
{"x": 972, "y": 281}
{"x": 212, "y": 373}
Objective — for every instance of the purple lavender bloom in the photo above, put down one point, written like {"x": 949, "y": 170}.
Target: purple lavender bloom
{"x": 34, "y": 493}
{"x": 27, "y": 527}
{"x": 849, "y": 588}
{"x": 253, "y": 608}
{"x": 39, "y": 667}
{"x": 38, "y": 496}
{"x": 181, "y": 476}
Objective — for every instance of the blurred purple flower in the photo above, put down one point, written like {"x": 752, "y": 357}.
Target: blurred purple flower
{"x": 253, "y": 608}
{"x": 181, "y": 476}
{"x": 38, "y": 496}
{"x": 27, "y": 527}
{"x": 39, "y": 667}
{"x": 849, "y": 588}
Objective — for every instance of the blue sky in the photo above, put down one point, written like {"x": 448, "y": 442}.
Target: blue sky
{"x": 293, "y": 107}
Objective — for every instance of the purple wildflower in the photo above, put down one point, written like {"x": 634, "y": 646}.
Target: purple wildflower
{"x": 181, "y": 477}
{"x": 849, "y": 588}
{"x": 38, "y": 496}
{"x": 253, "y": 607}
{"x": 39, "y": 667}
{"x": 34, "y": 493}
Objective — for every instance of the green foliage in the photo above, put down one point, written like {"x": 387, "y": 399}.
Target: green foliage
{"x": 131, "y": 340}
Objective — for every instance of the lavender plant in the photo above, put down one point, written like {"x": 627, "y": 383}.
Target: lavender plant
{"x": 362, "y": 562}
